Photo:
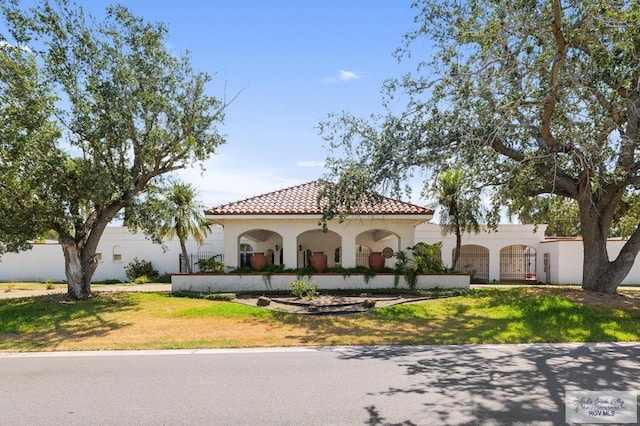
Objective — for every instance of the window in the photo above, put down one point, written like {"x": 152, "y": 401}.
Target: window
{"x": 117, "y": 254}
{"x": 99, "y": 257}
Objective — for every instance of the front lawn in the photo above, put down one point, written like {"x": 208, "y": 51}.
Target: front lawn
{"x": 161, "y": 321}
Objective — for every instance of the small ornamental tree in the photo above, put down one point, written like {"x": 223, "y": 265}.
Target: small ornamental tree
{"x": 129, "y": 112}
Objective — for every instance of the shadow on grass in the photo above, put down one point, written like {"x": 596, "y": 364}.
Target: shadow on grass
{"x": 501, "y": 384}
{"x": 44, "y": 322}
{"x": 487, "y": 316}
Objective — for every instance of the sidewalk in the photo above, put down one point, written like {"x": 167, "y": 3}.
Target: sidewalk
{"x": 96, "y": 288}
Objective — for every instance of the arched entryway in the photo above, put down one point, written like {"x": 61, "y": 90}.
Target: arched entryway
{"x": 517, "y": 263}
{"x": 473, "y": 260}
{"x": 376, "y": 240}
{"x": 260, "y": 241}
{"x": 316, "y": 240}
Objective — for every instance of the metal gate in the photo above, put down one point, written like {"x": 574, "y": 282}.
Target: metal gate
{"x": 473, "y": 260}
{"x": 362, "y": 256}
{"x": 517, "y": 263}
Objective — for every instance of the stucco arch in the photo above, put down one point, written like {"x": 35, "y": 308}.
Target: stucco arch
{"x": 314, "y": 240}
{"x": 473, "y": 260}
{"x": 517, "y": 262}
{"x": 262, "y": 240}
{"x": 376, "y": 240}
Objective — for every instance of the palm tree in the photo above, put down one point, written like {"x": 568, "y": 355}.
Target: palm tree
{"x": 461, "y": 209}
{"x": 185, "y": 218}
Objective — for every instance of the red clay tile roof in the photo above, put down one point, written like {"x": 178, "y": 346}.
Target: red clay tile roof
{"x": 302, "y": 200}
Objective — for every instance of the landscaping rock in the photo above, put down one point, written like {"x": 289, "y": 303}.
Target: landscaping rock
{"x": 263, "y": 301}
{"x": 368, "y": 303}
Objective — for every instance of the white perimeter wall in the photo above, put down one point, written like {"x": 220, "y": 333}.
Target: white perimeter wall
{"x": 46, "y": 260}
{"x": 222, "y": 282}
{"x": 507, "y": 235}
{"x": 566, "y": 258}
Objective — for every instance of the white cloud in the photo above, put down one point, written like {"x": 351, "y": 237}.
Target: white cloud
{"x": 344, "y": 76}
{"x": 310, "y": 163}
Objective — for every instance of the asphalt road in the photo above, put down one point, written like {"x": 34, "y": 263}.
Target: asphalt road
{"x": 439, "y": 385}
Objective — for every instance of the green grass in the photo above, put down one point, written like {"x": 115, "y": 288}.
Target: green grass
{"x": 161, "y": 321}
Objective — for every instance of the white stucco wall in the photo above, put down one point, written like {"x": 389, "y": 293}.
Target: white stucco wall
{"x": 47, "y": 261}
{"x": 251, "y": 282}
{"x": 506, "y": 235}
{"x": 566, "y": 257}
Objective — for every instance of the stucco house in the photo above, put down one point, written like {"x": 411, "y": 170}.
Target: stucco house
{"x": 285, "y": 226}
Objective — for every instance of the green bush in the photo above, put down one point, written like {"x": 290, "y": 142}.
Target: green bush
{"x": 210, "y": 265}
{"x": 300, "y": 289}
{"x": 164, "y": 278}
{"x": 138, "y": 268}
{"x": 142, "y": 279}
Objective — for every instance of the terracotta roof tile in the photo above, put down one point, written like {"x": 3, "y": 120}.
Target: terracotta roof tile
{"x": 302, "y": 200}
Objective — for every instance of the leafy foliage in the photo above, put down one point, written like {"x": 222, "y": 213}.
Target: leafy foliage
{"x": 461, "y": 207}
{"x": 425, "y": 258}
{"x": 210, "y": 265}
{"x": 129, "y": 113}
{"x": 534, "y": 98}
{"x": 140, "y": 268}
{"x": 301, "y": 289}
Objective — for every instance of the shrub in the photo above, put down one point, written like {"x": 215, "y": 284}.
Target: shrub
{"x": 425, "y": 259}
{"x": 300, "y": 289}
{"x": 138, "y": 268}
{"x": 164, "y": 278}
{"x": 49, "y": 284}
{"x": 210, "y": 265}
{"x": 142, "y": 279}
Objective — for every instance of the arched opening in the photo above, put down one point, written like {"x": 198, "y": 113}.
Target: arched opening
{"x": 260, "y": 241}
{"x": 315, "y": 240}
{"x": 376, "y": 240}
{"x": 473, "y": 260}
{"x": 517, "y": 263}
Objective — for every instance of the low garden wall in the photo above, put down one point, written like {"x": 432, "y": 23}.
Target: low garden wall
{"x": 281, "y": 281}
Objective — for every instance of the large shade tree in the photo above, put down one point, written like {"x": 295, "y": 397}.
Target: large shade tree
{"x": 536, "y": 98}
{"x": 128, "y": 112}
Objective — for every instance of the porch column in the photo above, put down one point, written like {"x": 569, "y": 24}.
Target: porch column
{"x": 290, "y": 256}
{"x": 494, "y": 264}
{"x": 231, "y": 249}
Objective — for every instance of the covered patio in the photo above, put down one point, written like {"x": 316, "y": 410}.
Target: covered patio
{"x": 285, "y": 226}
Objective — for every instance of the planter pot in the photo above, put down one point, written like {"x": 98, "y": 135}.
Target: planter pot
{"x": 376, "y": 261}
{"x": 258, "y": 261}
{"x": 319, "y": 262}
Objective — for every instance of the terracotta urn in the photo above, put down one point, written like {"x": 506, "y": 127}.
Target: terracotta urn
{"x": 319, "y": 262}
{"x": 376, "y": 261}
{"x": 258, "y": 261}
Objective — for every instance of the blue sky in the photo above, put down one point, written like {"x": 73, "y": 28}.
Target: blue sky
{"x": 294, "y": 62}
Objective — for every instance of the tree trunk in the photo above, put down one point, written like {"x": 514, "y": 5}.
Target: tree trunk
{"x": 185, "y": 256}
{"x": 79, "y": 269}
{"x": 456, "y": 251}
{"x": 598, "y": 272}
